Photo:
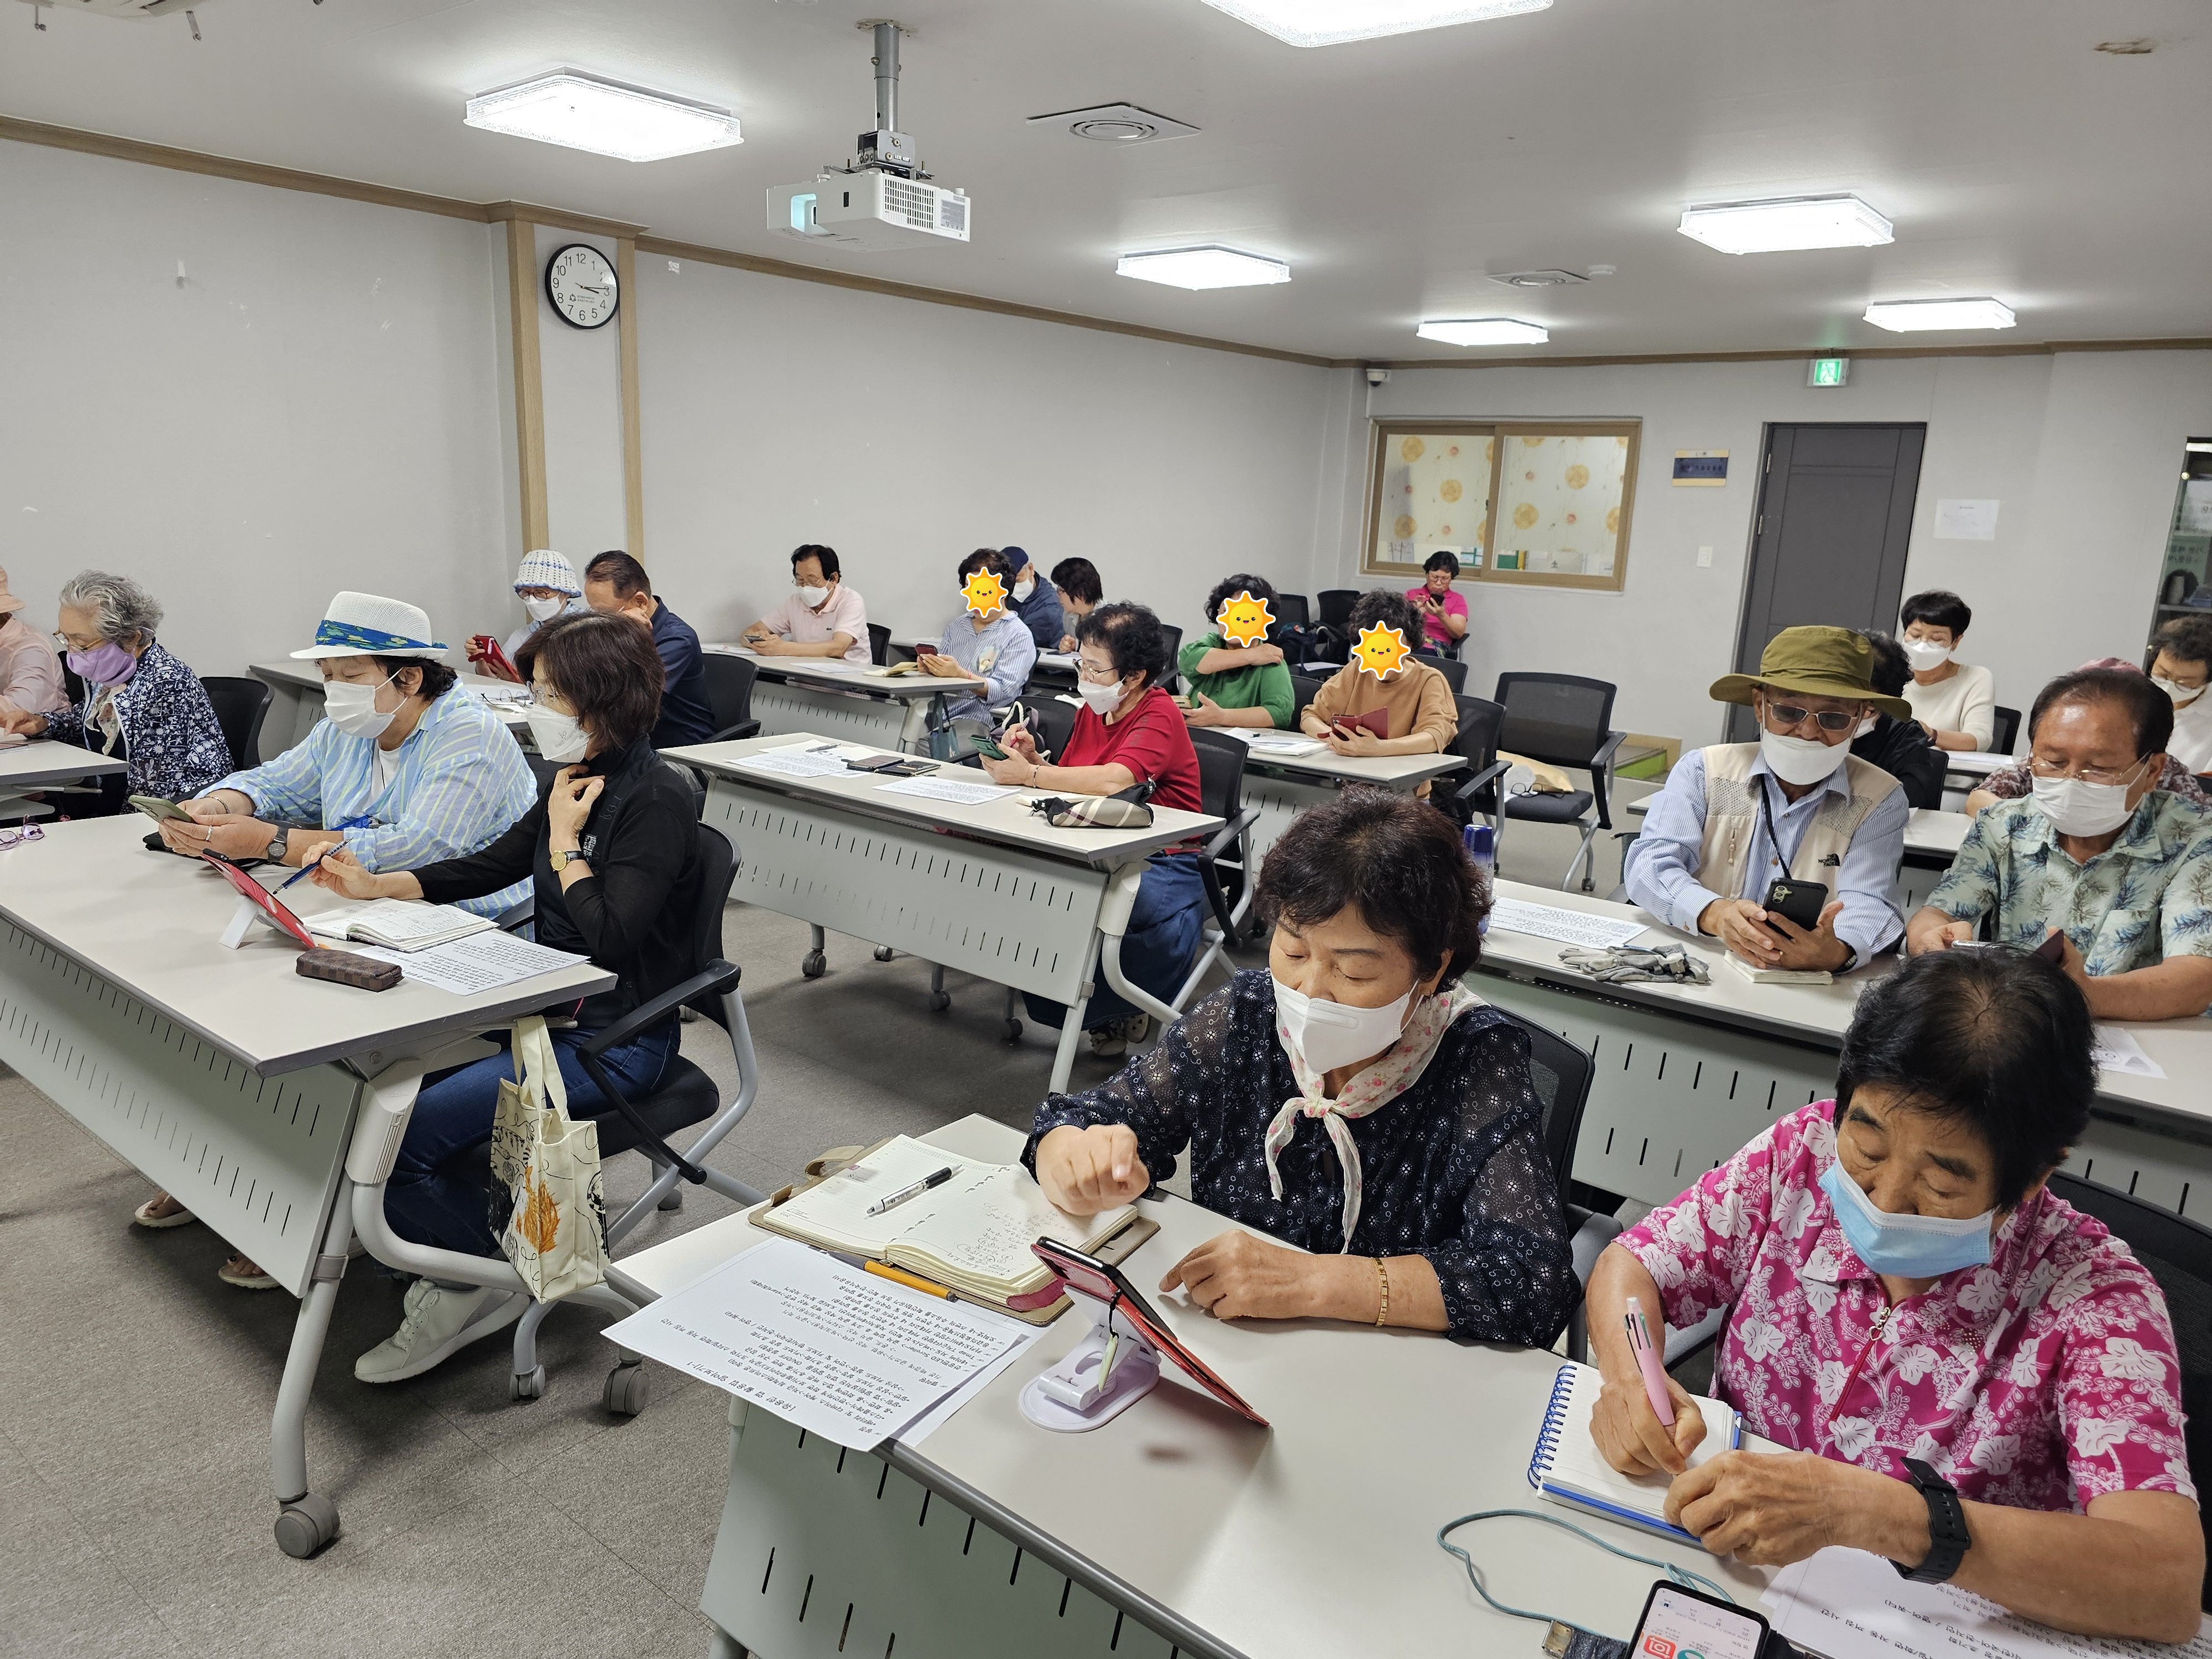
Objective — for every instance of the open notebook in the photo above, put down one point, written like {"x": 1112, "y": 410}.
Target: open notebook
{"x": 1567, "y": 1468}
{"x": 971, "y": 1235}
{"x": 397, "y": 924}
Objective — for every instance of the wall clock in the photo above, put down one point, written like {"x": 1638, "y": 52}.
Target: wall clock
{"x": 580, "y": 284}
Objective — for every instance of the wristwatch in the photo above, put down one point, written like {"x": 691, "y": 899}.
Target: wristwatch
{"x": 1946, "y": 1526}
{"x": 276, "y": 848}
{"x": 1851, "y": 956}
{"x": 566, "y": 857}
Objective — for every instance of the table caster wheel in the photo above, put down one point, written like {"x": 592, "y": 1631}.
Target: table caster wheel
{"x": 884, "y": 953}
{"x": 939, "y": 1002}
{"x": 625, "y": 1390}
{"x": 814, "y": 964}
{"x": 673, "y": 1202}
{"x": 304, "y": 1525}
{"x": 526, "y": 1385}
{"x": 1013, "y": 1030}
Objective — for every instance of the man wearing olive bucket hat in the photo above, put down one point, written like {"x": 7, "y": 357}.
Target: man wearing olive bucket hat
{"x": 1797, "y": 804}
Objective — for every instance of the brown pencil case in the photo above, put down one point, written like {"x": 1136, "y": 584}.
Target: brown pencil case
{"x": 346, "y": 968}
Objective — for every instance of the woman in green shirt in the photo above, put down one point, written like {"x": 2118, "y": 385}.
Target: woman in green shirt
{"x": 1237, "y": 685}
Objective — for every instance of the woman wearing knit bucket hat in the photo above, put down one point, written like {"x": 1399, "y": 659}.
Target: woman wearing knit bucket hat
{"x": 1797, "y": 804}
{"x": 548, "y": 586}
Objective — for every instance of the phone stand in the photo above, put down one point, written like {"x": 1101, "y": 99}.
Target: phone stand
{"x": 1069, "y": 1399}
{"x": 241, "y": 923}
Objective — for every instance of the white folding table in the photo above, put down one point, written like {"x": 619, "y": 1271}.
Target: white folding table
{"x": 222, "y": 1076}
{"x": 1279, "y": 786}
{"x": 990, "y": 889}
{"x": 297, "y": 703}
{"x": 842, "y": 699}
{"x": 1177, "y": 1526}
{"x": 1686, "y": 1074}
{"x": 42, "y": 763}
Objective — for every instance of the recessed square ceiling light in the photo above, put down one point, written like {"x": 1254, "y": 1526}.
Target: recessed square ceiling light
{"x": 1775, "y": 226}
{"x": 1915, "y": 316}
{"x": 604, "y": 117}
{"x": 1326, "y": 23}
{"x": 1202, "y": 267}
{"x": 1482, "y": 330}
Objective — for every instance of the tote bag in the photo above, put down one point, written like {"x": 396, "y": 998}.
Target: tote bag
{"x": 548, "y": 1205}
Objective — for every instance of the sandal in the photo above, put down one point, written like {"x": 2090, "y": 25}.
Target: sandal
{"x": 245, "y": 1274}
{"x": 144, "y": 1215}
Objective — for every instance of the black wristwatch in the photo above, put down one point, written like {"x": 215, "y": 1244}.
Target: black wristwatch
{"x": 1946, "y": 1526}
{"x": 278, "y": 845}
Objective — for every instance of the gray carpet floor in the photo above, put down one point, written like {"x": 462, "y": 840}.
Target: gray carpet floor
{"x": 136, "y": 1388}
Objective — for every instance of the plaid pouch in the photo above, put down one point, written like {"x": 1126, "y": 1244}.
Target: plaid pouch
{"x": 1126, "y": 811}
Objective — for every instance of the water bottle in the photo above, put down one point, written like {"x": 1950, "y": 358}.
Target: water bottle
{"x": 1482, "y": 847}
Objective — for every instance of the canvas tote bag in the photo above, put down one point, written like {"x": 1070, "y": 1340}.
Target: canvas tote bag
{"x": 548, "y": 1205}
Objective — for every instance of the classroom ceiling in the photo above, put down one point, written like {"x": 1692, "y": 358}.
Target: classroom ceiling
{"x": 2015, "y": 158}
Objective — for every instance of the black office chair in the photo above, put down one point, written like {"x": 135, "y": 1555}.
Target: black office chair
{"x": 1291, "y": 610}
{"x": 1305, "y": 688}
{"x": 1453, "y": 670}
{"x": 1563, "y": 720}
{"x": 1171, "y": 649}
{"x": 1561, "y": 1075}
{"x": 879, "y": 644}
{"x": 1050, "y": 721}
{"x": 1480, "y": 721}
{"x": 2007, "y": 732}
{"x": 1224, "y": 863}
{"x": 1332, "y": 634}
{"x": 1294, "y": 628}
{"x": 241, "y": 704}
{"x": 729, "y": 696}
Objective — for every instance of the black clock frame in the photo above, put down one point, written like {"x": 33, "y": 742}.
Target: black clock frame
{"x": 545, "y": 283}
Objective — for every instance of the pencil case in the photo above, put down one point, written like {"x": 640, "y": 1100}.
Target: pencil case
{"x": 345, "y": 968}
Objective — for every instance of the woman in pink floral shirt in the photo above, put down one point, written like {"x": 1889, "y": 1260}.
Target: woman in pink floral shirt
{"x": 1902, "y": 1286}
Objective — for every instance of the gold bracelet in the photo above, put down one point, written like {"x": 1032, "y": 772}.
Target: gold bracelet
{"x": 1382, "y": 1273}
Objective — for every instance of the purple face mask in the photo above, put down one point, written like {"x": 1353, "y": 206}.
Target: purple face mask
{"x": 109, "y": 665}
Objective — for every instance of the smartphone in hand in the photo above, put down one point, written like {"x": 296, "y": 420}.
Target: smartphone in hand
{"x": 159, "y": 809}
{"x": 1798, "y": 901}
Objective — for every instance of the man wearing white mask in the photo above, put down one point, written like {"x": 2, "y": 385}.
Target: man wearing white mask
{"x": 2120, "y": 869}
{"x": 820, "y": 618}
{"x": 2181, "y": 666}
{"x": 1955, "y": 702}
{"x": 1036, "y": 602}
{"x": 1736, "y": 816}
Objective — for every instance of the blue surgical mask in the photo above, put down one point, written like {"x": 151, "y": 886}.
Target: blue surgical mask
{"x": 1906, "y": 1245}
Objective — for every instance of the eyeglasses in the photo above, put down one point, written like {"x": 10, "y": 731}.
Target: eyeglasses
{"x": 2038, "y": 767}
{"x": 29, "y": 832}
{"x": 1829, "y": 720}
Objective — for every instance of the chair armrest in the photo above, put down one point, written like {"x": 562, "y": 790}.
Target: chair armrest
{"x": 1600, "y": 769}
{"x": 732, "y": 734}
{"x": 520, "y": 913}
{"x": 716, "y": 977}
{"x": 1490, "y": 774}
{"x": 1230, "y": 832}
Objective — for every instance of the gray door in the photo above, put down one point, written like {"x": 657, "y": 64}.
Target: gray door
{"x": 1835, "y": 514}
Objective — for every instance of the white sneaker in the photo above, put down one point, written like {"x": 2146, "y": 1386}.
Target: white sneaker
{"x": 438, "y": 1322}
{"x": 1112, "y": 1042}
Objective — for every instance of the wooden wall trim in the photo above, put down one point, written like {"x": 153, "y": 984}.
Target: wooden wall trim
{"x": 2026, "y": 348}
{"x": 529, "y": 387}
{"x": 632, "y": 430}
{"x": 560, "y": 219}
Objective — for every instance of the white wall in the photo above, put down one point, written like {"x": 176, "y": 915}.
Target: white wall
{"x": 314, "y": 408}
{"x": 580, "y": 370}
{"x": 905, "y": 435}
{"x": 2083, "y": 450}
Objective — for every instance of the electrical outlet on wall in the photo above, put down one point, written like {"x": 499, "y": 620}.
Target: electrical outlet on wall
{"x": 1705, "y": 558}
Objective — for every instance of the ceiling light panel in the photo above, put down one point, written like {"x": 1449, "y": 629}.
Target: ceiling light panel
{"x": 1482, "y": 330}
{"x": 1202, "y": 267}
{"x": 1328, "y": 22}
{"x": 1918, "y": 316}
{"x": 1804, "y": 222}
{"x": 583, "y": 112}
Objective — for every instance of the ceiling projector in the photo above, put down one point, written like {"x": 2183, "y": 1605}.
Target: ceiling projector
{"x": 884, "y": 199}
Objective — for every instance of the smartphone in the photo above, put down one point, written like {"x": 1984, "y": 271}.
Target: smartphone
{"x": 921, "y": 651}
{"x": 159, "y": 809}
{"x": 987, "y": 746}
{"x": 2051, "y": 949}
{"x": 1799, "y": 901}
{"x": 1687, "y": 1624}
{"x": 873, "y": 763}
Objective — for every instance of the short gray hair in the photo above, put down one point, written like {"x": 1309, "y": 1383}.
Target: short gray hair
{"x": 120, "y": 605}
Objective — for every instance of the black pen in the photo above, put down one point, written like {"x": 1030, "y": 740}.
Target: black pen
{"x": 889, "y": 1200}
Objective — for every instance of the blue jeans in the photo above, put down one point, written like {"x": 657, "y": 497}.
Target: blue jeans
{"x": 436, "y": 1196}
{"x": 1163, "y": 937}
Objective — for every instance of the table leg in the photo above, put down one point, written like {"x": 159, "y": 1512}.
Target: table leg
{"x": 1071, "y": 1028}
{"x": 305, "y": 1521}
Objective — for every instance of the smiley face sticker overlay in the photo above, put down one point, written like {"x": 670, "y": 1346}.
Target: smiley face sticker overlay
{"x": 984, "y": 592}
{"x": 1382, "y": 651}
{"x": 1245, "y": 621}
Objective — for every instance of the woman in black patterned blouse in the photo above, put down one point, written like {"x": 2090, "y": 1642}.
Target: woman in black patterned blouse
{"x": 1355, "y": 1100}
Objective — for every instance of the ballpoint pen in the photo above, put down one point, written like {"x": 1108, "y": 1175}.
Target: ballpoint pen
{"x": 1647, "y": 1358}
{"x": 890, "y": 1200}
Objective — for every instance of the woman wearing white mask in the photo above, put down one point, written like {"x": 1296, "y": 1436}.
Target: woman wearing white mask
{"x": 611, "y": 848}
{"x": 2120, "y": 868}
{"x": 1955, "y": 702}
{"x": 820, "y": 618}
{"x": 403, "y": 769}
{"x": 1735, "y": 817}
{"x": 1353, "y": 1100}
{"x": 546, "y": 584}
{"x": 2181, "y": 666}
{"x": 1975, "y": 1382}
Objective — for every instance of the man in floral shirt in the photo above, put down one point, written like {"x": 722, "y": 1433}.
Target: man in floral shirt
{"x": 1912, "y": 1309}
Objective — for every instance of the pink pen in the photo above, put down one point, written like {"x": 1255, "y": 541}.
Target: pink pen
{"x": 1647, "y": 1356}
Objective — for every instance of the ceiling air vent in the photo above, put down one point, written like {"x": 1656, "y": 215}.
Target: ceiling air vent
{"x": 1537, "y": 278}
{"x": 1114, "y": 124}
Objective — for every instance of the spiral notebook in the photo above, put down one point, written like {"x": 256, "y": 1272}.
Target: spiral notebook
{"x": 1567, "y": 1468}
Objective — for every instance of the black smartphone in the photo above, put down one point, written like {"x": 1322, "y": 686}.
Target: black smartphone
{"x": 873, "y": 763}
{"x": 987, "y": 746}
{"x": 1796, "y": 901}
{"x": 1687, "y": 1624}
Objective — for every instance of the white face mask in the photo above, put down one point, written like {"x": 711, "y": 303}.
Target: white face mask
{"x": 2077, "y": 807}
{"x": 352, "y": 708}
{"x": 559, "y": 737}
{"x": 1023, "y": 590}
{"x": 544, "y": 609}
{"x": 1329, "y": 1035}
{"x": 2182, "y": 696}
{"x": 1924, "y": 655}
{"x": 1100, "y": 699}
{"x": 1801, "y": 761}
{"x": 1865, "y": 727}
{"x": 810, "y": 596}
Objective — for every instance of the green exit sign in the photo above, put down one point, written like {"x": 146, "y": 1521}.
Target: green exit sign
{"x": 1829, "y": 371}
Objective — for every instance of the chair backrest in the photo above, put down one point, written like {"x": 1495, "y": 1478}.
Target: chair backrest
{"x": 1171, "y": 649}
{"x": 1291, "y": 610}
{"x": 1307, "y": 687}
{"x": 2177, "y": 1253}
{"x": 1336, "y": 605}
{"x": 1561, "y": 720}
{"x": 1050, "y": 722}
{"x": 718, "y": 871}
{"x": 1561, "y": 1075}
{"x": 1220, "y": 771}
{"x": 240, "y": 705}
{"x": 1453, "y": 670}
{"x": 2008, "y": 731}
{"x": 729, "y": 688}
{"x": 879, "y": 645}
{"x": 1480, "y": 721}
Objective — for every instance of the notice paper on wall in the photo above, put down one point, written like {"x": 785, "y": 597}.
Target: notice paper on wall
{"x": 1554, "y": 921}
{"x": 1850, "y": 1605}
{"x": 1965, "y": 520}
{"x": 2118, "y": 1051}
{"x": 841, "y": 1353}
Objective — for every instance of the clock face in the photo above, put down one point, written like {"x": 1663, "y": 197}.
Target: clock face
{"x": 580, "y": 284}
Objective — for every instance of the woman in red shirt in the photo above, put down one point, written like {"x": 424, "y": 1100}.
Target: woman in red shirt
{"x": 1129, "y": 731}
